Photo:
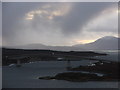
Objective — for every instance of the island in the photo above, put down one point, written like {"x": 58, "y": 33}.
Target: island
{"x": 99, "y": 71}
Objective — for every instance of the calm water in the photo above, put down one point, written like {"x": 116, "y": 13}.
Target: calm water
{"x": 113, "y": 55}
{"x": 27, "y": 76}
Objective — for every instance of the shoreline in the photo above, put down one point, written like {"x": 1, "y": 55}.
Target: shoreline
{"x": 76, "y": 75}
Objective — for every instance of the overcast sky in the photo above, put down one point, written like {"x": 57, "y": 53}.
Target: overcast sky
{"x": 0, "y": 15}
{"x": 58, "y": 23}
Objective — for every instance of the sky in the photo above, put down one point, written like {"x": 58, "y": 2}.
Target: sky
{"x": 57, "y": 23}
{"x": 0, "y": 23}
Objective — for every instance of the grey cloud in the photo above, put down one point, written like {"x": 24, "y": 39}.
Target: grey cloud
{"x": 13, "y": 13}
{"x": 0, "y": 24}
{"x": 81, "y": 14}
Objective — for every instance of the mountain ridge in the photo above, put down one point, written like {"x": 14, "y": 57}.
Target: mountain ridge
{"x": 104, "y": 43}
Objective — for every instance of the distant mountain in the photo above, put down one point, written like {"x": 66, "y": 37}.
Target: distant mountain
{"x": 28, "y": 46}
{"x": 104, "y": 43}
{"x": 33, "y": 46}
{"x": 45, "y": 47}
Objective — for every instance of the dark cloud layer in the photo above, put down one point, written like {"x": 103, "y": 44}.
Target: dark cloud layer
{"x": 0, "y": 23}
{"x": 12, "y": 13}
{"x": 81, "y": 14}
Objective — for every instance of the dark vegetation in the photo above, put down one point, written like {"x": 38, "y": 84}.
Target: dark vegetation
{"x": 100, "y": 67}
{"x": 10, "y": 56}
{"x": 110, "y": 71}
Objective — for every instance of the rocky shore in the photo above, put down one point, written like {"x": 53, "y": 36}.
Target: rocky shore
{"x": 109, "y": 71}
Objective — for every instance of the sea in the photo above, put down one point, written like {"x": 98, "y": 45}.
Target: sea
{"x": 27, "y": 75}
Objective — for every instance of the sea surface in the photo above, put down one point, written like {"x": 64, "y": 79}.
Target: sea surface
{"x": 27, "y": 75}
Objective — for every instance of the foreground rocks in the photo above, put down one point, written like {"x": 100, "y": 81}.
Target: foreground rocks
{"x": 108, "y": 69}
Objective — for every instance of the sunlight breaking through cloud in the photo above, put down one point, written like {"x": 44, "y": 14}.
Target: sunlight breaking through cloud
{"x": 48, "y": 12}
{"x": 58, "y": 23}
